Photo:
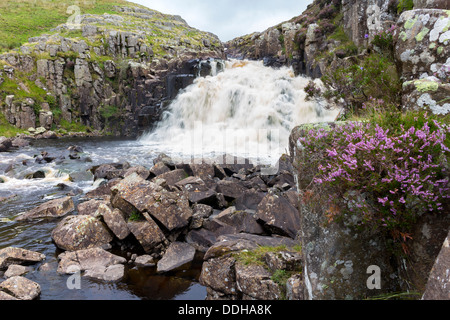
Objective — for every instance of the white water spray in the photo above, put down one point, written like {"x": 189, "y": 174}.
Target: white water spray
{"x": 247, "y": 110}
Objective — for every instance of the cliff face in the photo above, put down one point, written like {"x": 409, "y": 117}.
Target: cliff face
{"x": 109, "y": 72}
{"x": 336, "y": 33}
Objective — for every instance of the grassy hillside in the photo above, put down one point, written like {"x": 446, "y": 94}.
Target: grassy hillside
{"x": 22, "y": 19}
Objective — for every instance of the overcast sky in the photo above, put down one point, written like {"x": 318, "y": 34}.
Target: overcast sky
{"x": 230, "y": 18}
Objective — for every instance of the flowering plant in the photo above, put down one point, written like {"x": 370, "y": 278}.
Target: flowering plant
{"x": 385, "y": 179}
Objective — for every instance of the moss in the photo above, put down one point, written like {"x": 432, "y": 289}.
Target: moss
{"x": 410, "y": 23}
{"x": 425, "y": 85}
{"x": 422, "y": 34}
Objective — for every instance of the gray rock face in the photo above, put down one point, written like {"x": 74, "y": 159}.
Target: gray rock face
{"x": 177, "y": 255}
{"x": 81, "y": 232}
{"x": 52, "y": 209}
{"x": 439, "y": 280}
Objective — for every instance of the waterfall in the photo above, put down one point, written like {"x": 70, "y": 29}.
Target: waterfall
{"x": 246, "y": 110}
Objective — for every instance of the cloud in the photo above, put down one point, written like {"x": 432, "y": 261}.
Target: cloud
{"x": 230, "y": 18}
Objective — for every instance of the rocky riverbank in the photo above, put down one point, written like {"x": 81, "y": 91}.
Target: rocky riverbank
{"x": 175, "y": 212}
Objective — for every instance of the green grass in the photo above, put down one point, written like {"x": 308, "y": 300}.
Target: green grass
{"x": 256, "y": 256}
{"x": 22, "y": 19}
{"x": 8, "y": 130}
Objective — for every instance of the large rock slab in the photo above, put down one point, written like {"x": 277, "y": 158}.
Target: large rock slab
{"x": 21, "y": 288}
{"x": 177, "y": 255}
{"x": 115, "y": 220}
{"x": 13, "y": 255}
{"x": 81, "y": 232}
{"x": 51, "y": 209}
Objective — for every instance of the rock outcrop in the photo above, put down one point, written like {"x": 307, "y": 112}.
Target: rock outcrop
{"x": 111, "y": 73}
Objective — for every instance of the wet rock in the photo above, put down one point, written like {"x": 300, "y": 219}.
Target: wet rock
{"x": 95, "y": 262}
{"x": 21, "y": 288}
{"x": 52, "y": 209}
{"x": 177, "y": 255}
{"x": 13, "y": 255}
{"x": 81, "y": 232}
{"x": 103, "y": 191}
{"x": 279, "y": 215}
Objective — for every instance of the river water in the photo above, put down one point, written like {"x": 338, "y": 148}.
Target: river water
{"x": 246, "y": 110}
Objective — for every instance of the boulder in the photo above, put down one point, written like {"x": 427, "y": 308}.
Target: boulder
{"x": 5, "y": 144}
{"x": 219, "y": 275}
{"x": 249, "y": 199}
{"x": 201, "y": 239}
{"x": 172, "y": 177}
{"x": 255, "y": 282}
{"x": 81, "y": 232}
{"x": 242, "y": 221}
{"x": 53, "y": 209}
{"x": 439, "y": 280}
{"x": 89, "y": 208}
{"x": 279, "y": 215}
{"x": 197, "y": 190}
{"x": 95, "y": 262}
{"x": 16, "y": 270}
{"x": 115, "y": 220}
{"x": 145, "y": 261}
{"x": 13, "y": 255}
{"x": 230, "y": 189}
{"x": 177, "y": 255}
{"x": 200, "y": 213}
{"x": 149, "y": 235}
{"x": 295, "y": 287}
{"x": 21, "y": 288}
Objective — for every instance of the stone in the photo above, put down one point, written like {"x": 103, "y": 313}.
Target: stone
{"x": 201, "y": 239}
{"x": 197, "y": 190}
{"x": 242, "y": 221}
{"x": 89, "y": 208}
{"x": 16, "y": 270}
{"x": 172, "y": 177}
{"x": 431, "y": 4}
{"x": 81, "y": 232}
{"x": 249, "y": 199}
{"x": 145, "y": 261}
{"x": 295, "y": 288}
{"x": 13, "y": 255}
{"x": 439, "y": 279}
{"x": 83, "y": 75}
{"x": 279, "y": 215}
{"x": 219, "y": 274}
{"x": 52, "y": 209}
{"x": 148, "y": 234}
{"x": 200, "y": 213}
{"x": 255, "y": 281}
{"x": 5, "y": 296}
{"x": 115, "y": 220}
{"x": 159, "y": 168}
{"x": 177, "y": 255}
{"x": 284, "y": 260}
{"x": 95, "y": 262}
{"x": 21, "y": 288}
{"x": 230, "y": 189}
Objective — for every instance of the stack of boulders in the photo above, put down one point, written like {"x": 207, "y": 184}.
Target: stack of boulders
{"x": 171, "y": 213}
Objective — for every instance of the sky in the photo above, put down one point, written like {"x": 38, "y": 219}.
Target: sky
{"x": 229, "y": 19}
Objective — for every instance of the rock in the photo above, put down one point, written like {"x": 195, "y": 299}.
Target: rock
{"x": 52, "y": 209}
{"x": 439, "y": 279}
{"x": 201, "y": 239}
{"x": 145, "y": 261}
{"x": 5, "y": 296}
{"x": 148, "y": 234}
{"x": 431, "y": 4}
{"x": 172, "y": 177}
{"x": 242, "y": 221}
{"x": 115, "y": 220}
{"x": 279, "y": 215}
{"x": 284, "y": 260}
{"x": 255, "y": 282}
{"x": 81, "y": 232}
{"x": 12, "y": 255}
{"x": 5, "y": 144}
{"x": 90, "y": 207}
{"x": 242, "y": 241}
{"x": 20, "y": 143}
{"x": 219, "y": 274}
{"x": 200, "y": 213}
{"x": 295, "y": 288}
{"x": 159, "y": 168}
{"x": 197, "y": 190}
{"x": 96, "y": 262}
{"x": 141, "y": 171}
{"x": 16, "y": 270}
{"x": 249, "y": 199}
{"x": 421, "y": 52}
{"x": 21, "y": 288}
{"x": 230, "y": 189}
{"x": 177, "y": 255}
{"x": 83, "y": 75}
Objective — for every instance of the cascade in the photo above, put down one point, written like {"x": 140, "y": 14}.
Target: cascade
{"x": 242, "y": 108}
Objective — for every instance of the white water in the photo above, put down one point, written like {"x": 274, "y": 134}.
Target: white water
{"x": 248, "y": 110}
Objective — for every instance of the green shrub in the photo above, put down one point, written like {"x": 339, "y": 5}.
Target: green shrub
{"x": 405, "y": 5}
